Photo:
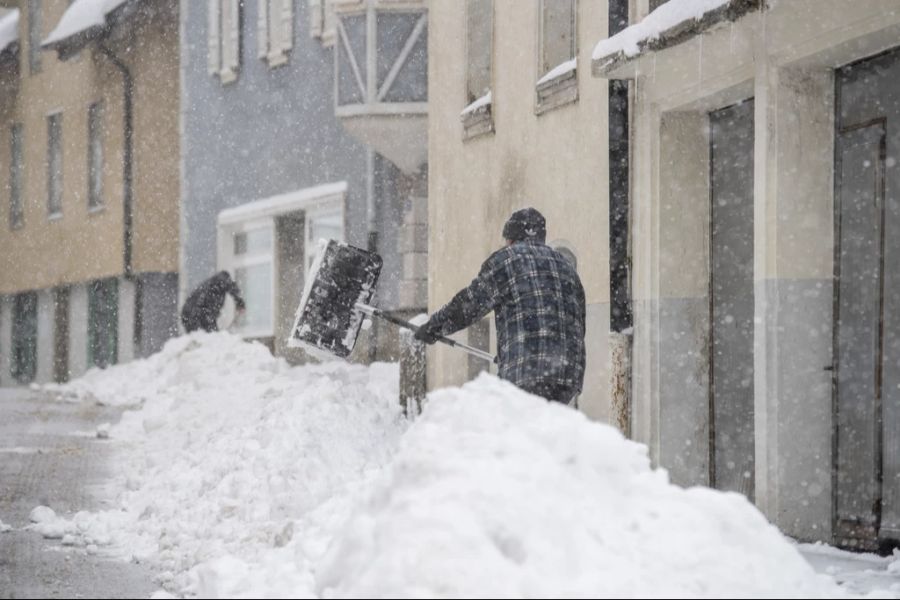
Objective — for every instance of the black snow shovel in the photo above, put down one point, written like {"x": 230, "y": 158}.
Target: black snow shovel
{"x": 339, "y": 287}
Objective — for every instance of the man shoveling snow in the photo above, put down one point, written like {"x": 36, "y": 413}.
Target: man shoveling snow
{"x": 538, "y": 304}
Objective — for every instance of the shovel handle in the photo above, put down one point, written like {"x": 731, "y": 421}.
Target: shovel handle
{"x": 377, "y": 312}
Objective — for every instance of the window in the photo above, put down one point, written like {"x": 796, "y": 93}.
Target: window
{"x": 24, "y": 337}
{"x": 252, "y": 262}
{"x": 325, "y": 223}
{"x": 54, "y": 165}
{"x": 479, "y": 34}
{"x": 16, "y": 168}
{"x": 224, "y": 38}
{"x": 275, "y": 27}
{"x": 558, "y": 48}
{"x": 103, "y": 322}
{"x": 95, "y": 155}
{"x": 654, "y": 4}
{"x": 322, "y": 21}
{"x": 34, "y": 36}
{"x": 477, "y": 116}
{"x": 266, "y": 245}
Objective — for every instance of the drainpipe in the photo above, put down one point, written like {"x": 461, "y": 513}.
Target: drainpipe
{"x": 128, "y": 192}
{"x": 621, "y": 334}
{"x": 128, "y": 168}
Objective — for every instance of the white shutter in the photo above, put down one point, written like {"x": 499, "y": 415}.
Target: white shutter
{"x": 264, "y": 40}
{"x": 316, "y": 18}
{"x": 233, "y": 54}
{"x": 287, "y": 25}
{"x": 214, "y": 56}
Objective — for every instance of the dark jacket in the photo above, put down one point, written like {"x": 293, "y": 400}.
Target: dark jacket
{"x": 202, "y": 308}
{"x": 539, "y": 307}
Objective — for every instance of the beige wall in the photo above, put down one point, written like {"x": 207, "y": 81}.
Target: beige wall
{"x": 84, "y": 245}
{"x": 155, "y": 59}
{"x": 556, "y": 162}
{"x": 785, "y": 60}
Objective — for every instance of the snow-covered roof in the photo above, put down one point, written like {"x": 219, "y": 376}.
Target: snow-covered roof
{"x": 672, "y": 22}
{"x": 9, "y": 29}
{"x": 80, "y": 18}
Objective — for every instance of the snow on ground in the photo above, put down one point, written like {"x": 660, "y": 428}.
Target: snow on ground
{"x": 243, "y": 477}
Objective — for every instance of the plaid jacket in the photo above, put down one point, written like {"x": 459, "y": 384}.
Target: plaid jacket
{"x": 538, "y": 304}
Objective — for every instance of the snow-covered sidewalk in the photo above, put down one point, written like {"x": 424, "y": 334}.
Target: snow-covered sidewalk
{"x": 240, "y": 476}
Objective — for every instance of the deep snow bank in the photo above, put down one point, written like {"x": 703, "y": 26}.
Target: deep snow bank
{"x": 243, "y": 477}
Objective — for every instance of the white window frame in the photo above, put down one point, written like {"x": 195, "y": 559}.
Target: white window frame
{"x": 322, "y": 199}
{"x": 556, "y": 85}
{"x": 275, "y": 30}
{"x": 224, "y": 39}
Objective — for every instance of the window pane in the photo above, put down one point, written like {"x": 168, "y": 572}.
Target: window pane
{"x": 255, "y": 283}
{"x": 34, "y": 36}
{"x": 558, "y": 33}
{"x": 654, "y": 4}
{"x": 16, "y": 209}
{"x": 54, "y": 164}
{"x": 24, "y": 337}
{"x": 255, "y": 241}
{"x": 479, "y": 31}
{"x": 103, "y": 322}
{"x": 325, "y": 226}
{"x": 95, "y": 155}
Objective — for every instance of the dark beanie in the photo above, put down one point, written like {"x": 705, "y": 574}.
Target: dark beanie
{"x": 526, "y": 224}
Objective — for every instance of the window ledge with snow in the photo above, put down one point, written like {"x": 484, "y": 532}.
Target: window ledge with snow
{"x": 673, "y": 23}
{"x": 227, "y": 76}
{"x": 478, "y": 117}
{"x": 276, "y": 58}
{"x": 557, "y": 88}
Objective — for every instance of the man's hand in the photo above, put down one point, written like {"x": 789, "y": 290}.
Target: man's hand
{"x": 428, "y": 332}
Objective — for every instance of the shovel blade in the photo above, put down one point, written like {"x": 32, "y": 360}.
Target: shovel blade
{"x": 341, "y": 276}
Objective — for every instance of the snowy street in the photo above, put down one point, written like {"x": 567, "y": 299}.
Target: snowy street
{"x": 49, "y": 456}
{"x": 251, "y": 478}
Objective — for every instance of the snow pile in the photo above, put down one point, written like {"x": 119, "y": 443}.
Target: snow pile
{"x": 233, "y": 452}
{"x": 184, "y": 361}
{"x": 672, "y": 13}
{"x": 498, "y": 494}
{"x": 243, "y": 477}
{"x": 9, "y": 29}
{"x": 81, "y": 16}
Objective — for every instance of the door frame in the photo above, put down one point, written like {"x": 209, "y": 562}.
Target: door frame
{"x": 837, "y": 538}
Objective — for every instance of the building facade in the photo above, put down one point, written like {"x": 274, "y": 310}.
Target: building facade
{"x": 764, "y": 186}
{"x": 90, "y": 154}
{"x": 276, "y": 126}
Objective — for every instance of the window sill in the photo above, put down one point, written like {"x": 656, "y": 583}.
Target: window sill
{"x": 276, "y": 59}
{"x": 55, "y": 217}
{"x": 556, "y": 92}
{"x": 478, "y": 121}
{"x": 227, "y": 76}
{"x": 93, "y": 210}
